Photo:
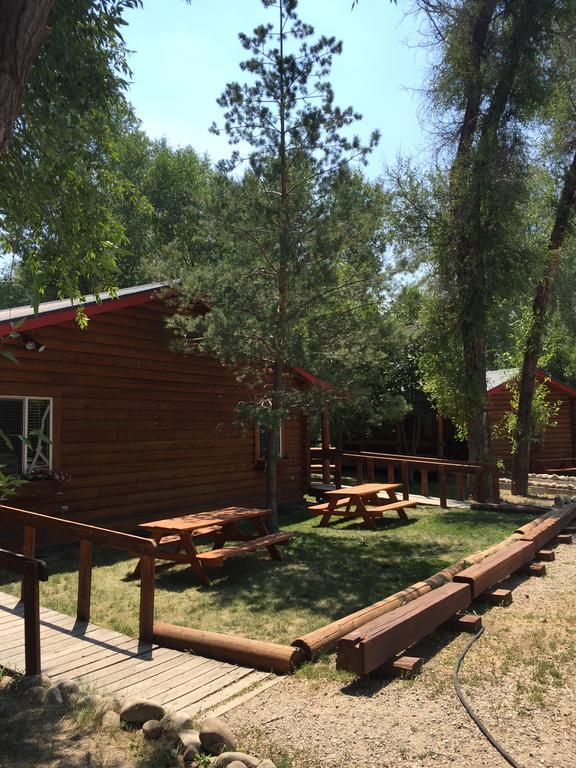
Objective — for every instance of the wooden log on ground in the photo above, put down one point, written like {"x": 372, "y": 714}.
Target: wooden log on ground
{"x": 497, "y": 567}
{"x": 564, "y": 538}
{"x": 545, "y": 531}
{"x": 505, "y": 506}
{"x": 376, "y": 643}
{"x": 326, "y": 638}
{"x": 235, "y": 650}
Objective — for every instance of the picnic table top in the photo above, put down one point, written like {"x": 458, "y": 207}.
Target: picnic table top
{"x": 202, "y": 519}
{"x": 365, "y": 489}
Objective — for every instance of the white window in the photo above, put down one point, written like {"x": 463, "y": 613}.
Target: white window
{"x": 261, "y": 442}
{"x": 25, "y": 434}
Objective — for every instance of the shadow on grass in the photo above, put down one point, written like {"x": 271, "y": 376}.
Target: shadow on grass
{"x": 322, "y": 570}
{"x": 326, "y": 573}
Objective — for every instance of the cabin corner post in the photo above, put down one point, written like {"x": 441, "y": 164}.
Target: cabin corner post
{"x": 147, "y": 578}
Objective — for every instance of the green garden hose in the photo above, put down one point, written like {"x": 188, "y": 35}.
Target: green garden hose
{"x": 498, "y": 747}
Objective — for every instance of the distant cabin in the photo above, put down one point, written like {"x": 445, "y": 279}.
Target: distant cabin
{"x": 134, "y": 429}
{"x": 555, "y": 448}
{"x": 424, "y": 432}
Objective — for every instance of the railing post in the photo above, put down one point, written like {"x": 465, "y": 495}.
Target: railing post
{"x": 359, "y": 473}
{"x": 147, "y": 577}
{"x": 480, "y": 491}
{"x": 495, "y": 484}
{"x": 28, "y": 547}
{"x": 459, "y": 486}
{"x": 424, "y": 488}
{"x": 390, "y": 472}
{"x": 405, "y": 481}
{"x": 442, "y": 487}
{"x": 31, "y": 599}
{"x": 84, "y": 581}
{"x": 370, "y": 470}
{"x": 338, "y": 469}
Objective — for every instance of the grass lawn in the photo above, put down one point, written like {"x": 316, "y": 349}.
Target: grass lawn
{"x": 326, "y": 573}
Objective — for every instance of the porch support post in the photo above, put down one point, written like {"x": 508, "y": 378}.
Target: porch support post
{"x": 325, "y": 427}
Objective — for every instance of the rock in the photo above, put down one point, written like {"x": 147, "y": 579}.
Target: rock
{"x": 175, "y": 723}
{"x": 573, "y": 499}
{"x": 111, "y": 719}
{"x": 224, "y": 760}
{"x": 138, "y": 711}
{"x": 67, "y": 688}
{"x": 186, "y": 738}
{"x": 33, "y": 681}
{"x": 152, "y": 729}
{"x": 236, "y": 764}
{"x": 112, "y": 705}
{"x": 36, "y": 694}
{"x": 54, "y": 696}
{"x": 216, "y": 737}
{"x": 190, "y": 754}
{"x": 266, "y": 764}
{"x": 558, "y": 501}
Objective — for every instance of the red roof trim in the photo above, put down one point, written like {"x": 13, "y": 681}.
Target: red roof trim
{"x": 541, "y": 376}
{"x": 58, "y": 316}
{"x": 309, "y": 378}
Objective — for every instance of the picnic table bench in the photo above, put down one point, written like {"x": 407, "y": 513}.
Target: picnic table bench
{"x": 221, "y": 525}
{"x": 362, "y": 501}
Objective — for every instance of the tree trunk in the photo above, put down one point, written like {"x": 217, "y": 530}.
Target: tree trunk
{"x": 477, "y": 422}
{"x": 533, "y": 346}
{"x": 23, "y": 24}
{"x": 272, "y": 435}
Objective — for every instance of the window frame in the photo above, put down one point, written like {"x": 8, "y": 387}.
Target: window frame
{"x": 23, "y": 447}
{"x": 261, "y": 459}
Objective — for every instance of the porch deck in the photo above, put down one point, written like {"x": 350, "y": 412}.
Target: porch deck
{"x": 111, "y": 663}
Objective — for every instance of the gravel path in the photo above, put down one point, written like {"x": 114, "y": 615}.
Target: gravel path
{"x": 520, "y": 677}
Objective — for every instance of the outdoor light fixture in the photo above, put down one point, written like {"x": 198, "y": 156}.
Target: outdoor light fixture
{"x": 33, "y": 345}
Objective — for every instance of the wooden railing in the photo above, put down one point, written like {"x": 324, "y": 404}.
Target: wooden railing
{"x": 364, "y": 463}
{"x": 88, "y": 535}
{"x": 32, "y": 572}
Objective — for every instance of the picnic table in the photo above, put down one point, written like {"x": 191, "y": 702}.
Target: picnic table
{"x": 363, "y": 501}
{"x": 221, "y": 525}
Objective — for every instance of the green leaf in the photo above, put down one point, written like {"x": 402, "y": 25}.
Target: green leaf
{"x": 7, "y": 442}
{"x": 9, "y": 356}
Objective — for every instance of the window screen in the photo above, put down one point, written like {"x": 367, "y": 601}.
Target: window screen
{"x": 39, "y": 437}
{"x": 28, "y": 417}
{"x": 11, "y": 425}
{"x": 261, "y": 442}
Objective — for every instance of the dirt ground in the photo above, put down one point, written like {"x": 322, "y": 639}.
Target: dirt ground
{"x": 520, "y": 677}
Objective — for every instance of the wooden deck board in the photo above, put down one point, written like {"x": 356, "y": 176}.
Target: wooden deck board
{"x": 113, "y": 663}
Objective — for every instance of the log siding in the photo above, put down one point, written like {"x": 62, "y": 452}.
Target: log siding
{"x": 144, "y": 431}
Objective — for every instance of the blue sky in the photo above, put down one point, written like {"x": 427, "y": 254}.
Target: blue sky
{"x": 184, "y": 54}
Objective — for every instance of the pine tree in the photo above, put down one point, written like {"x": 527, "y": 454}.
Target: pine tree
{"x": 280, "y": 285}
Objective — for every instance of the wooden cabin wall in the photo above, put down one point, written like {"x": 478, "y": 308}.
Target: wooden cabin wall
{"x": 558, "y": 441}
{"x": 145, "y": 432}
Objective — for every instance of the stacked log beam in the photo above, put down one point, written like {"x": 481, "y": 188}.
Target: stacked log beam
{"x": 325, "y": 639}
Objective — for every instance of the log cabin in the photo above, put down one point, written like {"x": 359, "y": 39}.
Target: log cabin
{"x": 135, "y": 430}
{"x": 552, "y": 450}
{"x": 426, "y": 433}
